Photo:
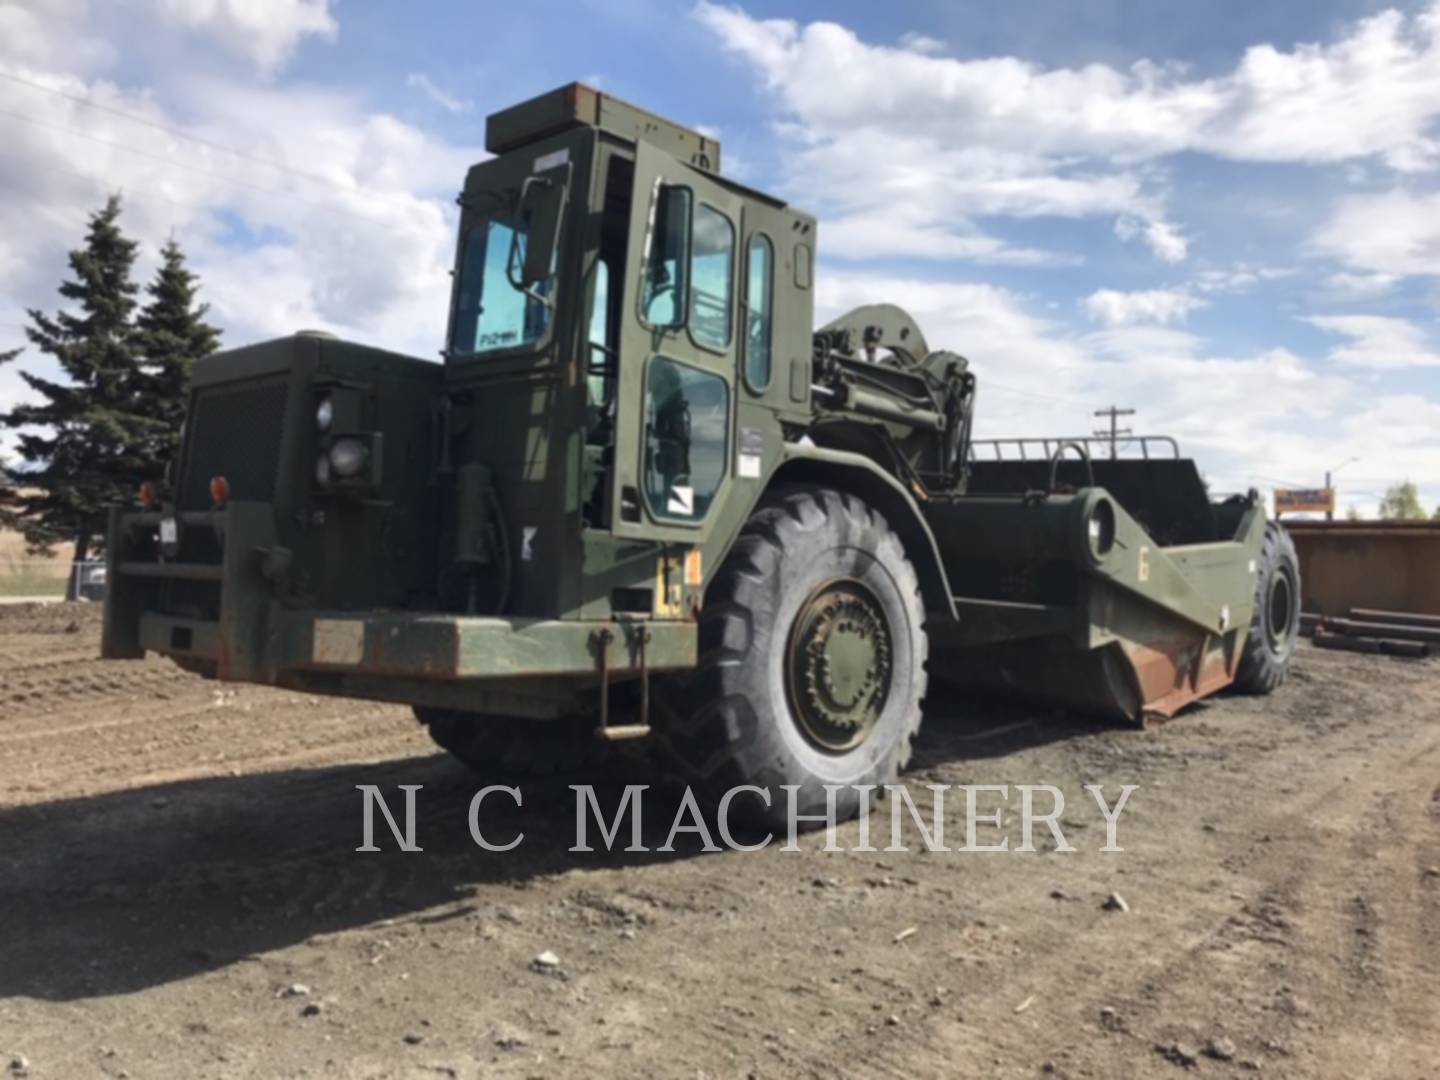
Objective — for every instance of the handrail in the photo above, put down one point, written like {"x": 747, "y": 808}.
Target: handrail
{"x": 1048, "y": 446}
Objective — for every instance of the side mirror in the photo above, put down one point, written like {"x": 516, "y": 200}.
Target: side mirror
{"x": 538, "y": 217}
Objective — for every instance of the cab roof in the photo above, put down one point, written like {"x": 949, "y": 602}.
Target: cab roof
{"x": 578, "y": 105}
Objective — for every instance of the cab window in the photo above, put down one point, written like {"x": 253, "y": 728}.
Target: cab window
{"x": 601, "y": 348}
{"x": 686, "y": 434}
{"x": 759, "y": 318}
{"x": 664, "y": 291}
{"x": 712, "y": 271}
{"x": 491, "y": 313}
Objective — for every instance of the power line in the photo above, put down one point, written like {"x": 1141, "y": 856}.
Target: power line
{"x": 48, "y": 167}
{"x": 176, "y": 132}
{"x": 988, "y": 385}
{"x": 172, "y": 163}
{"x": 1281, "y": 483}
{"x": 150, "y": 193}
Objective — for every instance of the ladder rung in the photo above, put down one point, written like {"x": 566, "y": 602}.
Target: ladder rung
{"x": 618, "y": 732}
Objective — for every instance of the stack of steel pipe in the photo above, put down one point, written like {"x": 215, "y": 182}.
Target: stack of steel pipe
{"x": 1370, "y": 630}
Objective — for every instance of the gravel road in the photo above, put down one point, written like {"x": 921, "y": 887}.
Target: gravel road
{"x": 180, "y": 897}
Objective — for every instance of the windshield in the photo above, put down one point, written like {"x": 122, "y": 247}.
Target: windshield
{"x": 491, "y": 313}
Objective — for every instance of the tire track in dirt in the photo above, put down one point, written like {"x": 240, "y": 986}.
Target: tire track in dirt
{"x": 71, "y": 724}
{"x": 200, "y": 751}
{"x": 187, "y": 851}
{"x": 1245, "y": 952}
{"x": 1300, "y": 928}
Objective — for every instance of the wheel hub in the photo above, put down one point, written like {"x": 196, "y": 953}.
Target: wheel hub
{"x": 838, "y": 665}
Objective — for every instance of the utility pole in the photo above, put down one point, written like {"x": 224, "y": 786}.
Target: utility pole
{"x": 1114, "y": 414}
{"x": 1330, "y": 514}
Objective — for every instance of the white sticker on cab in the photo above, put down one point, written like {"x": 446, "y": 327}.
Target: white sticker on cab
{"x": 681, "y": 501}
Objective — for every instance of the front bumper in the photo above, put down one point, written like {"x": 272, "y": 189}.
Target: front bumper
{"x": 257, "y": 638}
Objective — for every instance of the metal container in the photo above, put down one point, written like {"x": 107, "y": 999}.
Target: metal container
{"x": 1394, "y": 565}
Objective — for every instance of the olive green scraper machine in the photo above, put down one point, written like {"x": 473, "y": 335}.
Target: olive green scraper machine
{"x": 644, "y": 497}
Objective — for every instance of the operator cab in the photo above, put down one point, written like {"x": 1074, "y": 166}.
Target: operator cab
{"x": 629, "y": 331}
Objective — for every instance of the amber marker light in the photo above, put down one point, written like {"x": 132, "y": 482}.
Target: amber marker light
{"x": 219, "y": 490}
{"x": 149, "y": 496}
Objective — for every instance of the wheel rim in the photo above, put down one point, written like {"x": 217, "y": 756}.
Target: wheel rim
{"x": 838, "y": 665}
{"x": 1281, "y": 603}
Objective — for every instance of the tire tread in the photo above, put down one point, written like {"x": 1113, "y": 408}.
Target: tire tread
{"x": 1261, "y": 670}
{"x": 706, "y": 728}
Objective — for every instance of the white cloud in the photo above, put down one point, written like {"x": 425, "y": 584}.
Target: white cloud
{"x": 1402, "y": 420}
{"x": 1164, "y": 239}
{"x": 904, "y": 186}
{"x": 298, "y": 207}
{"x": 1239, "y": 278}
{"x": 418, "y": 80}
{"x": 1263, "y": 419}
{"x": 35, "y": 39}
{"x": 265, "y": 32}
{"x": 327, "y": 214}
{"x": 1378, "y": 342}
{"x": 1373, "y": 92}
{"x": 1392, "y": 437}
{"x": 1115, "y": 308}
{"x": 1394, "y": 234}
{"x": 1241, "y": 417}
{"x": 862, "y": 235}
{"x": 1361, "y": 285}
{"x": 921, "y": 43}
{"x": 1003, "y": 136}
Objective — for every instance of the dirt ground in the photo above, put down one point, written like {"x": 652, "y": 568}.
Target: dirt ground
{"x": 180, "y": 897}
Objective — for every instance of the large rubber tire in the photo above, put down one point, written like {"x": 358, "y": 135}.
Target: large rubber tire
{"x": 1275, "y": 626}
{"x": 731, "y": 720}
{"x": 504, "y": 748}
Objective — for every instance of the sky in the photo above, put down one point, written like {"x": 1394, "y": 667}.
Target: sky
{"x": 1225, "y": 216}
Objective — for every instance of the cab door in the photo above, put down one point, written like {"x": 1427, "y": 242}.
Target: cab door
{"x": 676, "y": 399}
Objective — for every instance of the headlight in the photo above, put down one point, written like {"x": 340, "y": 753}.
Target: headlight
{"x": 322, "y": 470}
{"x": 324, "y": 414}
{"x": 347, "y": 456}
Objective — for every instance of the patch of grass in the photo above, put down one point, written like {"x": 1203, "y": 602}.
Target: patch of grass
{"x": 33, "y": 584}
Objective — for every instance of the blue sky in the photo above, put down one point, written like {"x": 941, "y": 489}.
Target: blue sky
{"x": 1226, "y": 216}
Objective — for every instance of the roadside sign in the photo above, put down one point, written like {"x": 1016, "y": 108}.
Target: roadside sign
{"x": 1304, "y": 501}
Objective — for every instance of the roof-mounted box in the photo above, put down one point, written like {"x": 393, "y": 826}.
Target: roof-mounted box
{"x": 579, "y": 105}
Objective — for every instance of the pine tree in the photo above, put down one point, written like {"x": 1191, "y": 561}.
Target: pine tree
{"x": 7, "y": 483}
{"x": 172, "y": 334}
{"x": 83, "y": 447}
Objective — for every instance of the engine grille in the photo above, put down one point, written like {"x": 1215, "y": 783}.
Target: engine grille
{"x": 234, "y": 432}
